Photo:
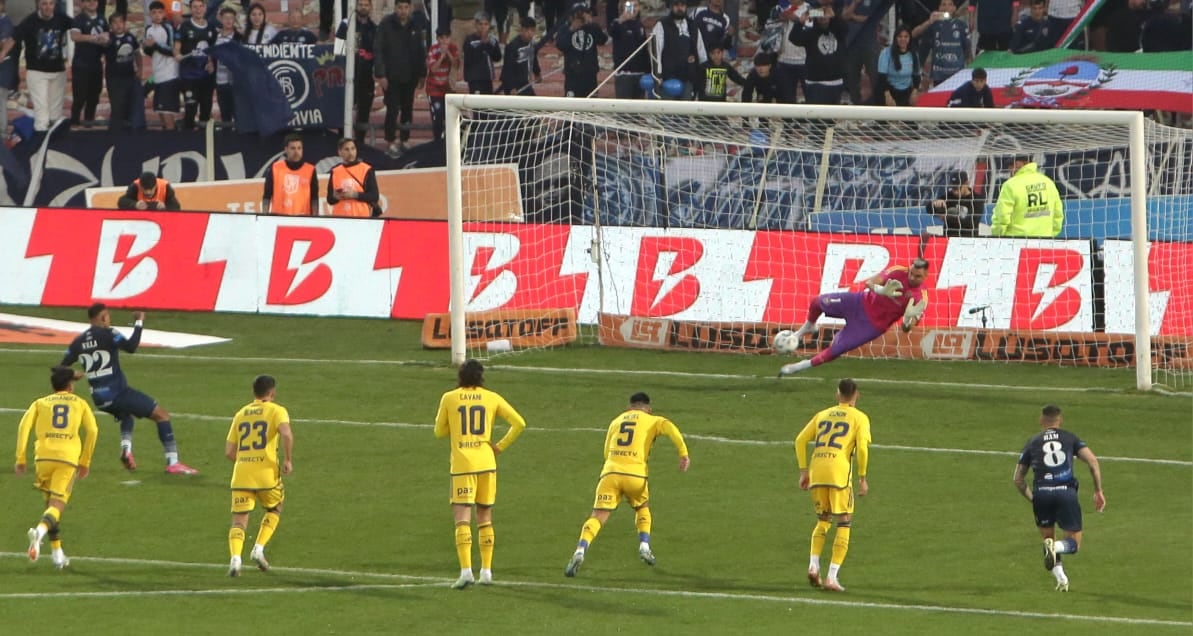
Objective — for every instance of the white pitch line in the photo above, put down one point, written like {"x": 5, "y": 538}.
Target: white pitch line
{"x": 643, "y": 372}
{"x": 435, "y": 581}
{"x": 716, "y": 439}
{"x": 210, "y": 592}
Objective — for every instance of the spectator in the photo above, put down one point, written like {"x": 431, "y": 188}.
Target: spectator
{"x": 9, "y": 77}
{"x": 1160, "y": 30}
{"x": 121, "y": 6}
{"x": 898, "y": 72}
{"x": 159, "y": 45}
{"x": 995, "y": 21}
{"x": 89, "y": 32}
{"x": 295, "y": 30}
{"x": 1061, "y": 14}
{"x": 224, "y": 95}
{"x": 399, "y": 64}
{"x": 1115, "y": 28}
{"x": 521, "y": 61}
{"x": 499, "y": 10}
{"x": 257, "y": 29}
{"x": 43, "y": 36}
{"x": 481, "y": 52}
{"x": 678, "y": 47}
{"x": 580, "y": 59}
{"x": 761, "y": 81}
{"x": 443, "y": 61}
{"x": 123, "y": 70}
{"x": 366, "y": 34}
{"x": 628, "y": 34}
{"x": 973, "y": 94}
{"x": 958, "y": 207}
{"x": 862, "y": 48}
{"x": 291, "y": 187}
{"x": 149, "y": 192}
{"x": 715, "y": 27}
{"x": 1034, "y": 31}
{"x": 422, "y": 18}
{"x": 824, "y": 41}
{"x": 327, "y": 14}
{"x": 1029, "y": 204}
{"x": 195, "y": 68}
{"x": 352, "y": 185}
{"x": 791, "y": 69}
{"x": 947, "y": 36}
{"x": 712, "y": 80}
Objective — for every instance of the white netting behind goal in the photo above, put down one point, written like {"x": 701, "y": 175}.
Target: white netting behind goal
{"x": 711, "y": 231}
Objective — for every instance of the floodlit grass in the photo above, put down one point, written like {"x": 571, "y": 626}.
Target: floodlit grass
{"x": 942, "y": 545}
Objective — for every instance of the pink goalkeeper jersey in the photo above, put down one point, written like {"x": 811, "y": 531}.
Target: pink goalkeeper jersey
{"x": 884, "y": 311}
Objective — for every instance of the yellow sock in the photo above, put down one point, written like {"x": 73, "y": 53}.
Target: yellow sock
{"x": 840, "y": 545}
{"x": 818, "y": 537}
{"x": 588, "y": 533}
{"x": 484, "y": 533}
{"x": 49, "y": 519}
{"x": 55, "y": 544}
{"x": 642, "y": 520}
{"x": 236, "y": 541}
{"x": 464, "y": 545}
{"x": 269, "y": 524}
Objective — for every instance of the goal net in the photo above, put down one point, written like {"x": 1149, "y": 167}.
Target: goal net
{"x": 685, "y": 225}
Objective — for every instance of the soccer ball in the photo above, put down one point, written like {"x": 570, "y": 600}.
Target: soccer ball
{"x": 785, "y": 342}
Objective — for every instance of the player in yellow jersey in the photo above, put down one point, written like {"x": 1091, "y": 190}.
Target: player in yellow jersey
{"x": 60, "y": 456}
{"x": 467, "y": 414}
{"x": 839, "y": 433}
{"x": 252, "y": 445}
{"x": 627, "y": 451}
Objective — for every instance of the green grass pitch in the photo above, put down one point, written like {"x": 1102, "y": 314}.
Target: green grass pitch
{"x": 942, "y": 545}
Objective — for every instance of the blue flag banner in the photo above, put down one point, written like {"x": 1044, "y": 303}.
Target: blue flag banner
{"x": 284, "y": 86}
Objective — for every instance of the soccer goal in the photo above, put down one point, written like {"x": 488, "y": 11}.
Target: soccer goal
{"x": 687, "y": 225}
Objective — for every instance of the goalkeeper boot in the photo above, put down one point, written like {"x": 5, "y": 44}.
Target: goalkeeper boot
{"x": 464, "y": 581}
{"x": 574, "y": 565}
{"x": 1049, "y": 554}
{"x": 645, "y": 554}
{"x": 789, "y": 369}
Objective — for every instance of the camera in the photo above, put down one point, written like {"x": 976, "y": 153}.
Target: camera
{"x": 815, "y": 13}
{"x": 945, "y": 16}
{"x": 629, "y": 7}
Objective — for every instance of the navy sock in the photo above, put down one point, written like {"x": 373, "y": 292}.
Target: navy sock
{"x": 165, "y": 432}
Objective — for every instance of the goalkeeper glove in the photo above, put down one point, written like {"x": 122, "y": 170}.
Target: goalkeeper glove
{"x": 913, "y": 312}
{"x": 891, "y": 289}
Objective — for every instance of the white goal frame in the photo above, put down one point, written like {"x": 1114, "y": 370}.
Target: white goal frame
{"x": 1132, "y": 121}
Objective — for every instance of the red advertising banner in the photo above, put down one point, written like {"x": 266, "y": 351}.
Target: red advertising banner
{"x": 399, "y": 269}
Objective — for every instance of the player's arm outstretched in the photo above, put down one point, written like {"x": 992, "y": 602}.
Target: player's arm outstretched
{"x": 131, "y": 343}
{"x": 889, "y": 287}
{"x": 1095, "y": 472}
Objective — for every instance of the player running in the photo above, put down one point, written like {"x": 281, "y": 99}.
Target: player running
{"x": 98, "y": 350}
{"x": 889, "y": 296}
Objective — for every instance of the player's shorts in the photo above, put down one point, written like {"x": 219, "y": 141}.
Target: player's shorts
{"x": 246, "y": 500}
{"x": 614, "y": 486}
{"x": 474, "y": 488}
{"x": 129, "y": 402}
{"x": 858, "y": 329}
{"x": 1057, "y": 505}
{"x": 827, "y": 500}
{"x": 55, "y": 479}
{"x": 167, "y": 96}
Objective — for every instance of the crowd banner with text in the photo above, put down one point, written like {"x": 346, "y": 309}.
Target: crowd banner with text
{"x": 398, "y": 269}
{"x": 1066, "y": 348}
{"x": 284, "y": 86}
{"x": 405, "y": 194}
{"x": 518, "y": 327}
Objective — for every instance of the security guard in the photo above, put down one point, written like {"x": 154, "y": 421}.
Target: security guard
{"x": 1028, "y": 204}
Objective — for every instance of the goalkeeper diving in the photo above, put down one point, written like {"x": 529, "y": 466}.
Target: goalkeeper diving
{"x": 892, "y": 296}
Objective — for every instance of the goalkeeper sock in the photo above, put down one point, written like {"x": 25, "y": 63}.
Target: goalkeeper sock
{"x": 269, "y": 524}
{"x": 464, "y": 545}
{"x": 484, "y": 533}
{"x": 818, "y": 537}
{"x": 236, "y": 541}
{"x": 588, "y": 533}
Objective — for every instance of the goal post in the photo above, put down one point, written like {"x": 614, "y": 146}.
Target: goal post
{"x": 809, "y": 150}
